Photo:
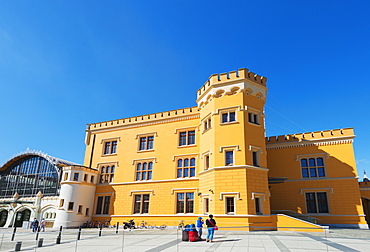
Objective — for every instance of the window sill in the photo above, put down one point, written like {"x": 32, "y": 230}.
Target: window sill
{"x": 69, "y": 211}
{"x": 108, "y": 155}
{"x": 145, "y": 150}
{"x": 186, "y": 146}
{"x": 227, "y": 123}
{"x": 204, "y": 131}
{"x": 255, "y": 124}
{"x": 186, "y": 177}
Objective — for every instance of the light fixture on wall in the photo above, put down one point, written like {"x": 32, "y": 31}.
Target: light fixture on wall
{"x": 199, "y": 193}
{"x": 211, "y": 191}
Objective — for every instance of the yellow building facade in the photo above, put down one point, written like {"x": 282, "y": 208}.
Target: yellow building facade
{"x": 174, "y": 166}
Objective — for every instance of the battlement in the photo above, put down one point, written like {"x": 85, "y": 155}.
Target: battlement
{"x": 310, "y": 136}
{"x": 240, "y": 74}
{"x": 144, "y": 118}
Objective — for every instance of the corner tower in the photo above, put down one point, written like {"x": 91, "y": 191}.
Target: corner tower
{"x": 233, "y": 167}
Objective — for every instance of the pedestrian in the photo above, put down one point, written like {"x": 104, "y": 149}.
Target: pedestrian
{"x": 199, "y": 226}
{"x": 211, "y": 226}
{"x": 35, "y": 225}
{"x": 42, "y": 225}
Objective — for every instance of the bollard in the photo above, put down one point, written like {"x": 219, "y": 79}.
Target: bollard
{"x": 60, "y": 231}
{"x": 14, "y": 230}
{"x": 79, "y": 233}
{"x": 41, "y": 240}
{"x": 18, "y": 246}
{"x": 37, "y": 234}
{"x": 59, "y": 237}
{"x": 100, "y": 228}
{"x": 117, "y": 226}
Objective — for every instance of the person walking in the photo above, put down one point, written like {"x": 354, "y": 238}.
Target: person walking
{"x": 211, "y": 225}
{"x": 35, "y": 225}
{"x": 42, "y": 225}
{"x": 199, "y": 227}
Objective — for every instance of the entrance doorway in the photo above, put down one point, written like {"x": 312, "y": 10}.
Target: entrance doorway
{"x": 3, "y": 217}
{"x": 22, "y": 216}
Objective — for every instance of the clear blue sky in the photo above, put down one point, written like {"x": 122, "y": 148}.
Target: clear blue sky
{"x": 64, "y": 64}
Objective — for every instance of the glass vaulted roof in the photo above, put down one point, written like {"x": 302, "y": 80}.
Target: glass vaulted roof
{"x": 30, "y": 172}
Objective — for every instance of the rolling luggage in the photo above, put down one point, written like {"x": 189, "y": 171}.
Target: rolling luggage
{"x": 185, "y": 235}
{"x": 193, "y": 236}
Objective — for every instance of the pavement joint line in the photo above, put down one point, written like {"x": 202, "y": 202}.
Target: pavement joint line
{"x": 279, "y": 244}
{"x": 163, "y": 246}
{"x": 331, "y": 244}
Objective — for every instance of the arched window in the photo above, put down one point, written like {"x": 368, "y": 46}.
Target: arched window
{"x": 185, "y": 168}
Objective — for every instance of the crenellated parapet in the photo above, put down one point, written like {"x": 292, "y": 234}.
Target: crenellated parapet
{"x": 232, "y": 83}
{"x": 326, "y": 137}
{"x": 239, "y": 75}
{"x": 145, "y": 120}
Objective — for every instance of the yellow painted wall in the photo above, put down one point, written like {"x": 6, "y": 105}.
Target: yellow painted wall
{"x": 241, "y": 92}
{"x": 340, "y": 181}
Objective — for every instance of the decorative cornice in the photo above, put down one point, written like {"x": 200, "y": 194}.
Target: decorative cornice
{"x": 286, "y": 145}
{"x": 145, "y": 124}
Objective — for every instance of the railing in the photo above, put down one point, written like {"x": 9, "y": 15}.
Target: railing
{"x": 296, "y": 215}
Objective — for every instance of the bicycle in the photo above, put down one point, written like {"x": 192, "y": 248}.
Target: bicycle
{"x": 143, "y": 224}
{"x": 181, "y": 225}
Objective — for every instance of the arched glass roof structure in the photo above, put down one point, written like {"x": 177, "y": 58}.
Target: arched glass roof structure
{"x": 30, "y": 172}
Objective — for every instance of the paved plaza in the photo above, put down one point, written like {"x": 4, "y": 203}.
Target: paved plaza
{"x": 170, "y": 240}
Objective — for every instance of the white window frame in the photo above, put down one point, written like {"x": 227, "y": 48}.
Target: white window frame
{"x": 258, "y": 150}
{"x": 254, "y": 112}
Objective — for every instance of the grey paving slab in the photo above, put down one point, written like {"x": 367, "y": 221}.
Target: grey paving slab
{"x": 170, "y": 240}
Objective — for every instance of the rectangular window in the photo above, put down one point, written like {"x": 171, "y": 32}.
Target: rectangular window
{"x": 99, "y": 205}
{"x": 144, "y": 171}
{"x": 70, "y": 206}
{"x": 227, "y": 117}
{"x": 87, "y": 211}
{"x": 106, "y": 204}
{"x": 253, "y": 118}
{"x": 187, "y": 138}
{"x": 80, "y": 209}
{"x": 312, "y": 167}
{"x": 61, "y": 202}
{"x": 146, "y": 143}
{"x": 230, "y": 205}
{"x": 65, "y": 176}
{"x": 229, "y": 157}
{"x": 206, "y": 205}
{"x": 185, "y": 203}
{"x": 207, "y": 124}
{"x": 317, "y": 202}
{"x": 255, "y": 158}
{"x": 257, "y": 202}
{"x": 92, "y": 179}
{"x": 75, "y": 176}
{"x": 102, "y": 205}
{"x": 185, "y": 167}
{"x": 85, "y": 177}
{"x": 107, "y": 174}
{"x": 110, "y": 147}
{"x": 141, "y": 204}
{"x": 206, "y": 162}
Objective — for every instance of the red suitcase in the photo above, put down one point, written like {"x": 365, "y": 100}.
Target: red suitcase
{"x": 193, "y": 236}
